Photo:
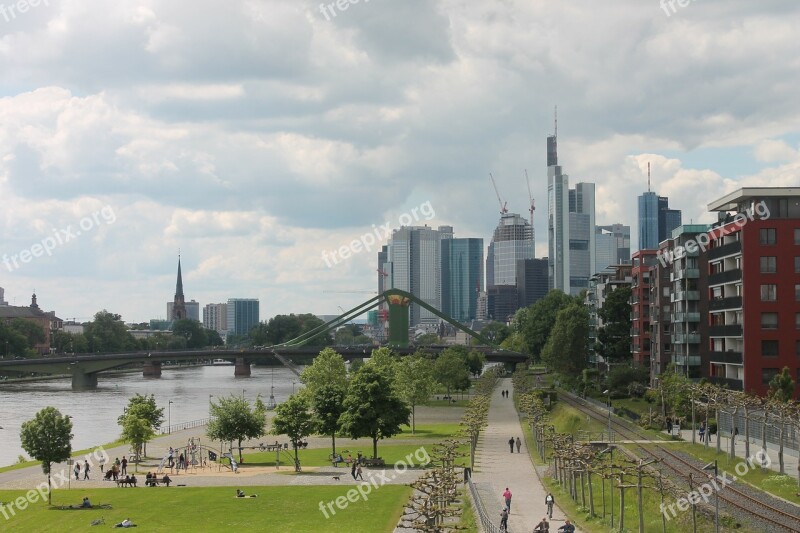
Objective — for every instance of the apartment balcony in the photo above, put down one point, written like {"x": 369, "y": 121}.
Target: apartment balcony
{"x": 730, "y": 357}
{"x": 728, "y": 276}
{"x": 685, "y": 338}
{"x": 684, "y": 273}
{"x": 732, "y": 384}
{"x": 686, "y": 317}
{"x": 719, "y": 304}
{"x": 685, "y": 296}
{"x": 725, "y": 250}
{"x": 680, "y": 360}
{"x": 731, "y": 330}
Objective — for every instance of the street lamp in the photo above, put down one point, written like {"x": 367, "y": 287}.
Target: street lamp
{"x": 716, "y": 493}
{"x": 608, "y": 393}
{"x": 293, "y": 382}
{"x": 169, "y": 417}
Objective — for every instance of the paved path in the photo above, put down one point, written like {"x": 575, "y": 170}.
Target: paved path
{"x": 496, "y": 468}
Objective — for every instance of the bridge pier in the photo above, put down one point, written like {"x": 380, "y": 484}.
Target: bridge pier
{"x": 152, "y": 369}
{"x": 83, "y": 380}
{"x": 242, "y": 368}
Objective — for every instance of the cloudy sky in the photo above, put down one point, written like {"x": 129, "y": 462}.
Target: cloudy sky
{"x": 256, "y": 135}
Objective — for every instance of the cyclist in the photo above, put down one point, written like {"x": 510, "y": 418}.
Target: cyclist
{"x": 549, "y": 500}
{"x": 542, "y": 527}
{"x": 504, "y": 519}
{"x": 567, "y": 528}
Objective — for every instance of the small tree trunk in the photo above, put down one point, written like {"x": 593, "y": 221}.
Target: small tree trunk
{"x": 50, "y": 489}
{"x": 374, "y": 447}
{"x": 240, "y": 450}
{"x": 333, "y": 442}
{"x": 413, "y": 421}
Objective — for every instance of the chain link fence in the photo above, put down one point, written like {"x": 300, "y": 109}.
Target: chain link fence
{"x": 486, "y": 522}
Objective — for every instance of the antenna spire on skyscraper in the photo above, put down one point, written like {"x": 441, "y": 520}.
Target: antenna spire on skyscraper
{"x": 648, "y": 176}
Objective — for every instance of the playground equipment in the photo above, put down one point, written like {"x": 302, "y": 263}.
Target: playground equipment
{"x": 195, "y": 455}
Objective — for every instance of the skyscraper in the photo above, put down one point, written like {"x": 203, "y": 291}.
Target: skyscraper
{"x": 655, "y": 220}
{"x": 581, "y": 237}
{"x": 557, "y": 220}
{"x": 2, "y": 293}
{"x": 242, "y": 315}
{"x": 462, "y": 277}
{"x": 215, "y": 317}
{"x": 532, "y": 282}
{"x": 612, "y": 246}
{"x": 511, "y": 242}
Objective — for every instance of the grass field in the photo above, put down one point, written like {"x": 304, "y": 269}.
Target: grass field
{"x": 320, "y": 456}
{"x": 172, "y": 509}
{"x": 429, "y": 431}
{"x": 26, "y": 464}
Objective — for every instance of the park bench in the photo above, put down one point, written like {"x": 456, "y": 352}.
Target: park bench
{"x": 154, "y": 481}
{"x": 373, "y": 462}
{"x": 129, "y": 482}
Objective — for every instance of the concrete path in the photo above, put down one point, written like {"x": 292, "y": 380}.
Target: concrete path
{"x": 496, "y": 468}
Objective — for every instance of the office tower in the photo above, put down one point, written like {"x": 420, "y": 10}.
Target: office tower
{"x": 612, "y": 246}
{"x": 655, "y": 220}
{"x": 511, "y": 242}
{"x": 581, "y": 237}
{"x": 215, "y": 317}
{"x": 414, "y": 265}
{"x": 2, "y": 296}
{"x": 557, "y": 220}
{"x": 532, "y": 281}
{"x": 753, "y": 264}
{"x": 502, "y": 301}
{"x": 462, "y": 277}
{"x": 242, "y": 315}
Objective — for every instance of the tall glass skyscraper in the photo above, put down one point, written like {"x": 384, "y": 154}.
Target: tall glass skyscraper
{"x": 462, "y": 277}
{"x": 656, "y": 220}
{"x": 557, "y": 221}
{"x": 512, "y": 241}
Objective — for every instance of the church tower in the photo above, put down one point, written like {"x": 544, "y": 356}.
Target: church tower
{"x": 179, "y": 303}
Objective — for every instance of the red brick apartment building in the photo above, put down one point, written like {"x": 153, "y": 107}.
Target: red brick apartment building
{"x": 642, "y": 261}
{"x": 753, "y": 262}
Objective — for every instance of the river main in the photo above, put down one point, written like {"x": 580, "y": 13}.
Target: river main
{"x": 94, "y": 413}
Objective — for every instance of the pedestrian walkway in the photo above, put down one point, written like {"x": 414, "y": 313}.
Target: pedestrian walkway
{"x": 497, "y": 468}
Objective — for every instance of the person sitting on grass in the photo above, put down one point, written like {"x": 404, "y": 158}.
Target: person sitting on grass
{"x": 126, "y": 523}
{"x": 239, "y": 493}
{"x": 86, "y": 503}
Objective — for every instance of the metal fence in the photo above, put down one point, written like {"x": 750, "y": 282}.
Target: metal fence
{"x": 486, "y": 522}
{"x": 184, "y": 425}
{"x": 790, "y": 437}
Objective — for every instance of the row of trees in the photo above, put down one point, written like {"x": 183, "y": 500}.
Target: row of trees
{"x": 18, "y": 338}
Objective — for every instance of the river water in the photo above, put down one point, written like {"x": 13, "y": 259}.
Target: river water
{"x": 94, "y": 413}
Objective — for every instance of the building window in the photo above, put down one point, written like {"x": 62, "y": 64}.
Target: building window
{"x": 797, "y": 236}
{"x": 769, "y": 348}
{"x": 769, "y": 293}
{"x": 797, "y": 293}
{"x": 797, "y": 265}
{"x": 769, "y": 320}
{"x": 797, "y": 348}
{"x": 768, "y": 236}
{"x": 767, "y": 374}
{"x": 797, "y": 321}
{"x": 769, "y": 265}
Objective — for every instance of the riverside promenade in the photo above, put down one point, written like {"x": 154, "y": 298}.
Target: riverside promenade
{"x": 496, "y": 468}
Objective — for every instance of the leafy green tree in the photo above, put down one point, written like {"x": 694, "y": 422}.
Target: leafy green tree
{"x": 614, "y": 337}
{"x": 497, "y": 332}
{"x": 327, "y": 401}
{"x": 541, "y": 319}
{"x": 372, "y": 407}
{"x": 294, "y": 419}
{"x": 146, "y": 408}
{"x": 47, "y": 438}
{"x": 64, "y": 342}
{"x": 415, "y": 382}
{"x": 622, "y": 377}
{"x": 12, "y": 342}
{"x": 136, "y": 428}
{"x": 427, "y": 339}
{"x": 328, "y": 368}
{"x": 214, "y": 338}
{"x": 191, "y": 330}
{"x": 108, "y": 334}
{"x": 282, "y": 328}
{"x": 475, "y": 362}
{"x": 567, "y": 347}
{"x": 781, "y": 387}
{"x": 675, "y": 392}
{"x": 355, "y": 364}
{"x": 32, "y": 331}
{"x": 384, "y": 361}
{"x": 234, "y": 420}
{"x": 451, "y": 370}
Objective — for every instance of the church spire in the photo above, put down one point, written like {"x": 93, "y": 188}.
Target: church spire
{"x": 179, "y": 285}
{"x": 179, "y": 303}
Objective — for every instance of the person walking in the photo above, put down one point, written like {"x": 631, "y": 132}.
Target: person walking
{"x": 511, "y": 444}
{"x": 549, "y": 501}
{"x": 353, "y": 470}
{"x": 669, "y": 425}
{"x": 507, "y": 498}
{"x": 519, "y": 445}
{"x": 504, "y": 519}
{"x": 124, "y": 466}
{"x": 358, "y": 473}
{"x": 702, "y": 431}
{"x": 77, "y": 470}
{"x": 86, "y": 470}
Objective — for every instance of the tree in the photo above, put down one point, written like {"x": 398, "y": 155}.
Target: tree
{"x": 497, "y": 332}
{"x": 108, "y": 334}
{"x": 614, "y": 337}
{"x": 214, "y": 338}
{"x": 328, "y": 368}
{"x": 372, "y": 408}
{"x": 192, "y": 330}
{"x": 12, "y": 342}
{"x": 384, "y": 361}
{"x": 451, "y": 371}
{"x": 781, "y": 387}
{"x": 427, "y": 339}
{"x": 64, "y": 342}
{"x": 282, "y": 328}
{"x": 136, "y": 428}
{"x": 47, "y": 438}
{"x": 293, "y": 418}
{"x": 541, "y": 319}
{"x": 415, "y": 382}
{"x": 32, "y": 331}
{"x": 328, "y": 404}
{"x": 568, "y": 345}
{"x": 146, "y": 408}
{"x": 475, "y": 362}
{"x": 234, "y": 420}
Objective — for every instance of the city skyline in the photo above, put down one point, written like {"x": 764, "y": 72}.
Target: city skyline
{"x": 324, "y": 131}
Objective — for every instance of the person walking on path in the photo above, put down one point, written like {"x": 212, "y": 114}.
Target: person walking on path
{"x": 86, "y": 470}
{"x": 702, "y": 431}
{"x": 507, "y": 498}
{"x": 124, "y": 465}
{"x": 504, "y": 519}
{"x": 511, "y": 444}
{"x": 358, "y": 473}
{"x": 549, "y": 501}
{"x": 77, "y": 471}
{"x": 353, "y": 471}
{"x": 519, "y": 445}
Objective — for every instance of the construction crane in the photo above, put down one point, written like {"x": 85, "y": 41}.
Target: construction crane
{"x": 532, "y": 208}
{"x": 503, "y": 209}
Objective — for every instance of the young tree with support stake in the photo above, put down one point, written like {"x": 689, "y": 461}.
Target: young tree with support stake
{"x": 415, "y": 382}
{"x": 294, "y": 419}
{"x": 234, "y": 420}
{"x": 48, "y": 438}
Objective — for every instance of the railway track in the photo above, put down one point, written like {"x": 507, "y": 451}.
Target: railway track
{"x": 761, "y": 509}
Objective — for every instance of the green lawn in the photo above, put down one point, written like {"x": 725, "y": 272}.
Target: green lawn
{"x": 429, "y": 431}
{"x": 26, "y": 464}
{"x": 295, "y": 509}
{"x": 319, "y": 456}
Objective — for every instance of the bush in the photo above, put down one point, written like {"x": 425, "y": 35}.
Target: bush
{"x": 636, "y": 390}
{"x": 712, "y": 427}
{"x": 652, "y": 396}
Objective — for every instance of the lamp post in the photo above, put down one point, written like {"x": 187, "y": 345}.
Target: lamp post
{"x": 169, "y": 417}
{"x": 716, "y": 493}
{"x": 293, "y": 382}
